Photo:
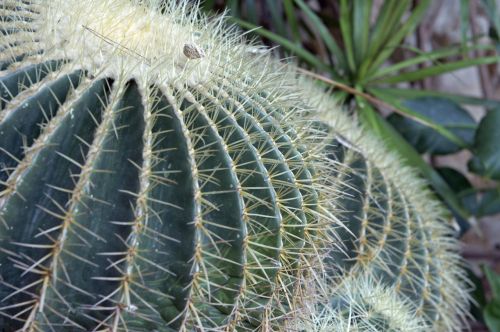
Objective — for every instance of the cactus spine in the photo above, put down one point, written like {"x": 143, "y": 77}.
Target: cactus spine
{"x": 158, "y": 174}
{"x": 360, "y": 304}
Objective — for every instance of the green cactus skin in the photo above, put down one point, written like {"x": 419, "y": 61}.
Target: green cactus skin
{"x": 147, "y": 188}
{"x": 393, "y": 230}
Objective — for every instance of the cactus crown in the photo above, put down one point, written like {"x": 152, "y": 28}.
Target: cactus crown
{"x": 147, "y": 40}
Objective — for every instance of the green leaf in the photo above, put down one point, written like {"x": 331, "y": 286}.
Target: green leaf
{"x": 437, "y": 70}
{"x": 490, "y": 202}
{"x": 457, "y": 181}
{"x": 491, "y": 311}
{"x": 403, "y": 109}
{"x": 440, "y": 111}
{"x": 285, "y": 43}
{"x": 491, "y": 315}
{"x": 466, "y": 194}
{"x": 208, "y": 5}
{"x": 423, "y": 57}
{"x": 464, "y": 20}
{"x": 493, "y": 280}
{"x": 478, "y": 300}
{"x": 292, "y": 20}
{"x": 486, "y": 160}
{"x": 459, "y": 99}
{"x": 345, "y": 28}
{"x": 390, "y": 16}
{"x": 493, "y": 13}
{"x": 397, "y": 34}
{"x": 323, "y": 31}
{"x": 233, "y": 6}
{"x": 361, "y": 28}
{"x": 411, "y": 157}
{"x": 252, "y": 13}
{"x": 487, "y": 204}
{"x": 469, "y": 200}
{"x": 277, "y": 19}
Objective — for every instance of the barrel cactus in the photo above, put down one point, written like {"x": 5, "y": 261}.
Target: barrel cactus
{"x": 159, "y": 174}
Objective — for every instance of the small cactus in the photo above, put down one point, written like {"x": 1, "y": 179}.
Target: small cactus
{"x": 360, "y": 304}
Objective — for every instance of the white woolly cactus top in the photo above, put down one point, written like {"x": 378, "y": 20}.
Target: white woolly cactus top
{"x": 152, "y": 39}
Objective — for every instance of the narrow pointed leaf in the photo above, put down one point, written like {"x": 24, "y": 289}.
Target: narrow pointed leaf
{"x": 390, "y": 16}
{"x": 292, "y": 20}
{"x": 361, "y": 28}
{"x": 459, "y": 99}
{"x": 441, "y": 112}
{"x": 323, "y": 31}
{"x": 425, "y": 57}
{"x": 423, "y": 119}
{"x": 345, "y": 27}
{"x": 399, "y": 33}
{"x": 438, "y": 70}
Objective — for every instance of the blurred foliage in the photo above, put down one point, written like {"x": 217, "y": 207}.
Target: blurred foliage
{"x": 370, "y": 57}
{"x": 486, "y": 160}
{"x": 491, "y": 310}
{"x": 442, "y": 111}
{"x": 493, "y": 13}
{"x": 478, "y": 301}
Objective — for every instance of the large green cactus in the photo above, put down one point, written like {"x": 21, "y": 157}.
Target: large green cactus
{"x": 142, "y": 186}
{"x": 157, "y": 174}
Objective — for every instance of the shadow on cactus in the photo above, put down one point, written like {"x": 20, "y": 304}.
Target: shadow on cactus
{"x": 159, "y": 174}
